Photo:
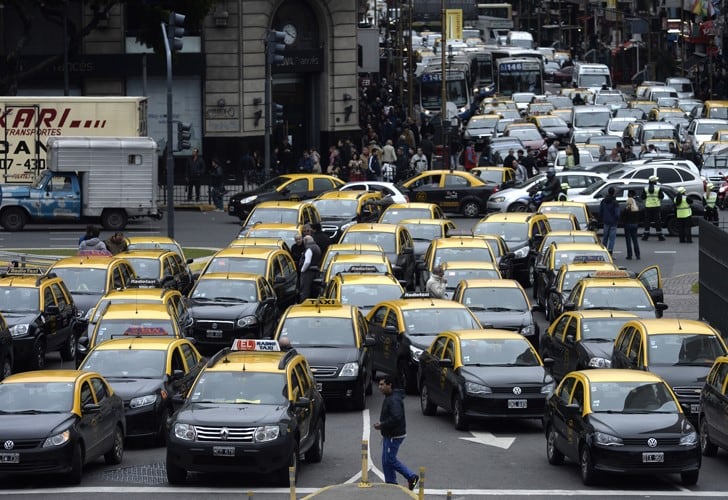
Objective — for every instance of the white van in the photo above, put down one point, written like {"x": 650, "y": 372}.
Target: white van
{"x": 657, "y": 92}
{"x": 519, "y": 39}
{"x": 592, "y": 76}
{"x": 590, "y": 117}
{"x": 683, "y": 86}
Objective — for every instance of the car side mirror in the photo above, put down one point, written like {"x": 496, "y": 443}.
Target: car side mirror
{"x": 190, "y": 261}
{"x": 178, "y": 399}
{"x": 177, "y": 374}
{"x": 572, "y": 409}
{"x": 445, "y": 363}
{"x": 569, "y": 339}
{"x": 370, "y": 341}
{"x": 195, "y": 276}
{"x": 661, "y": 306}
{"x": 52, "y": 309}
{"x": 302, "y": 403}
{"x": 548, "y": 363}
{"x": 279, "y": 279}
{"x": 408, "y": 250}
{"x": 91, "y": 408}
{"x": 390, "y": 329}
{"x": 569, "y": 306}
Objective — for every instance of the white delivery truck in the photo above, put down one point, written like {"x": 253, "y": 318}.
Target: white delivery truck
{"x": 26, "y": 123}
{"x": 591, "y": 76}
{"x": 104, "y": 179}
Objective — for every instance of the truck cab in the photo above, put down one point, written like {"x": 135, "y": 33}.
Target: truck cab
{"x": 54, "y": 195}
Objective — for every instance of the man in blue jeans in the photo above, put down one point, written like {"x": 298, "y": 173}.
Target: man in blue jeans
{"x": 609, "y": 210}
{"x": 393, "y": 426}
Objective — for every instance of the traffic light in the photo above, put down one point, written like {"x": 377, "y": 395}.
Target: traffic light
{"x": 184, "y": 135}
{"x": 275, "y": 47}
{"x": 175, "y": 30}
{"x": 277, "y": 114}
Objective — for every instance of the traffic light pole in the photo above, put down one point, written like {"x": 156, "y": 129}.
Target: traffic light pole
{"x": 170, "y": 143}
{"x": 266, "y": 120}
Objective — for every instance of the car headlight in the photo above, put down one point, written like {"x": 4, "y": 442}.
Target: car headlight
{"x": 349, "y": 369}
{"x": 548, "y": 387}
{"x": 185, "y": 431}
{"x": 147, "y": 400}
{"x": 62, "y": 438}
{"x": 87, "y": 316}
{"x": 477, "y": 389}
{"x": 597, "y": 362}
{"x": 497, "y": 199}
{"x": 689, "y": 439}
{"x": 19, "y": 330}
{"x": 249, "y": 199}
{"x": 522, "y": 253}
{"x": 266, "y": 433}
{"x": 415, "y": 353}
{"x": 527, "y": 330}
{"x": 247, "y": 321}
{"x": 605, "y": 439}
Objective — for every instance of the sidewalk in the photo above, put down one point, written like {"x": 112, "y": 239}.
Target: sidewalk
{"x": 681, "y": 301}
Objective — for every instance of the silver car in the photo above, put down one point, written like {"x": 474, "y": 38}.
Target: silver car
{"x": 510, "y": 200}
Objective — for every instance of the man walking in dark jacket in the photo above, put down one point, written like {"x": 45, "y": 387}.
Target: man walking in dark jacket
{"x": 393, "y": 427}
{"x": 609, "y": 210}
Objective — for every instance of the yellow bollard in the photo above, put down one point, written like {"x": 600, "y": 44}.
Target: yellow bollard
{"x": 449, "y": 495}
{"x": 364, "y": 483}
{"x": 250, "y": 495}
{"x": 292, "y": 481}
{"x": 421, "y": 492}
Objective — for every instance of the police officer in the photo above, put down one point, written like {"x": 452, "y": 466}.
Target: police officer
{"x": 709, "y": 200}
{"x": 683, "y": 213}
{"x": 562, "y": 196}
{"x": 652, "y": 195}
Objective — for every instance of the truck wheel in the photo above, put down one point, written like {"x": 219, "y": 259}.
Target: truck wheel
{"x": 13, "y": 219}
{"x": 114, "y": 220}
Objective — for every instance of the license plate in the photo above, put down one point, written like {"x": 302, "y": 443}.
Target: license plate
{"x": 10, "y": 458}
{"x": 214, "y": 334}
{"x": 319, "y": 386}
{"x": 517, "y": 403}
{"x": 653, "y": 458}
{"x": 223, "y": 451}
{"x": 695, "y": 408}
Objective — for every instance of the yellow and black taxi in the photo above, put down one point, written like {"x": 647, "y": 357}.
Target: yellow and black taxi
{"x": 282, "y": 212}
{"x": 563, "y": 221}
{"x": 453, "y": 190}
{"x": 255, "y": 241}
{"x": 146, "y": 373}
{"x": 405, "y": 327}
{"x": 156, "y": 243}
{"x": 522, "y": 232}
{"x": 162, "y": 268}
{"x": 274, "y": 265}
{"x": 620, "y": 421}
{"x": 713, "y": 408}
{"x": 336, "y": 249}
{"x": 254, "y": 409}
{"x": 226, "y": 306}
{"x": 564, "y": 281}
{"x": 423, "y": 231}
{"x": 619, "y": 291}
{"x": 396, "y": 242}
{"x": 680, "y": 351}
{"x": 294, "y": 187}
{"x": 499, "y": 303}
{"x": 357, "y": 264}
{"x": 282, "y": 230}
{"x": 498, "y": 177}
{"x": 571, "y": 236}
{"x": 57, "y": 421}
{"x": 341, "y": 209}
{"x": 454, "y": 249}
{"x": 133, "y": 320}
{"x": 477, "y": 374}
{"x": 397, "y": 212}
{"x": 551, "y": 125}
{"x": 334, "y": 339}
{"x": 579, "y": 340}
{"x": 363, "y": 290}
{"x": 558, "y": 254}
{"x": 457, "y": 270}
{"x": 40, "y": 313}
{"x": 6, "y": 349}
{"x": 89, "y": 277}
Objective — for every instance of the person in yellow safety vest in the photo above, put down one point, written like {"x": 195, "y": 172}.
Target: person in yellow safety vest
{"x": 652, "y": 196}
{"x": 563, "y": 194}
{"x": 683, "y": 213}
{"x": 709, "y": 200}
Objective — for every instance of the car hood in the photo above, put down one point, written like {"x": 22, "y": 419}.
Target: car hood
{"x": 508, "y": 320}
{"x": 504, "y": 375}
{"x": 422, "y": 341}
{"x": 40, "y": 426}
{"x": 85, "y": 300}
{"x": 11, "y": 191}
{"x": 597, "y": 349}
{"x": 128, "y": 388}
{"x": 318, "y": 356}
{"x": 235, "y": 415}
{"x": 222, "y": 311}
{"x": 678, "y": 376}
{"x": 516, "y": 245}
{"x": 13, "y": 319}
{"x": 639, "y": 424}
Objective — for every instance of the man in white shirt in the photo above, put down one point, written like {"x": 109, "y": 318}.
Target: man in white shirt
{"x": 418, "y": 162}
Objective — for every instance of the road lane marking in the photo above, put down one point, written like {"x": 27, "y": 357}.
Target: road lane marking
{"x": 489, "y": 439}
{"x": 665, "y": 251}
{"x": 365, "y": 436}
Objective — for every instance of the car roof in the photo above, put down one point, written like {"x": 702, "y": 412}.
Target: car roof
{"x": 251, "y": 252}
{"x": 424, "y": 303}
{"x": 131, "y": 311}
{"x": 490, "y": 283}
{"x": 459, "y": 241}
{"x": 412, "y": 204}
{"x": 618, "y": 375}
{"x": 92, "y": 261}
{"x": 132, "y": 293}
{"x": 45, "y": 376}
{"x": 521, "y": 217}
{"x": 426, "y": 222}
{"x": 340, "y": 247}
{"x": 673, "y": 326}
{"x": 330, "y": 308}
{"x": 138, "y": 343}
{"x": 485, "y": 334}
{"x": 251, "y": 361}
{"x": 373, "y": 227}
{"x": 602, "y": 314}
{"x": 145, "y": 254}
{"x": 347, "y": 195}
{"x": 367, "y": 279}
{"x": 284, "y": 204}
{"x": 230, "y": 276}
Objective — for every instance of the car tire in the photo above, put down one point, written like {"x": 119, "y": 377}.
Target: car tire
{"x": 458, "y": 414}
{"x": 76, "y": 473}
{"x": 6, "y": 368}
{"x": 115, "y": 455}
{"x": 553, "y": 455}
{"x": 707, "y": 447}
{"x": 280, "y": 477}
{"x": 316, "y": 453}
{"x": 69, "y": 350}
{"x": 37, "y": 356}
{"x": 175, "y": 474}
{"x": 470, "y": 208}
{"x": 426, "y": 405}
{"x": 518, "y": 206}
{"x": 689, "y": 478}
{"x": 586, "y": 466}
{"x": 672, "y": 227}
{"x": 13, "y": 219}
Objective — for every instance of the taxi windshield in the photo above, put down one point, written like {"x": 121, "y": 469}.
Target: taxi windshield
{"x": 623, "y": 298}
{"x": 349, "y": 267}
{"x": 145, "y": 268}
{"x": 506, "y": 230}
{"x": 330, "y": 255}
{"x": 631, "y": 397}
{"x": 560, "y": 224}
{"x": 369, "y": 295}
{"x": 108, "y": 328}
{"x": 491, "y": 176}
{"x": 82, "y": 280}
{"x": 574, "y": 237}
{"x": 237, "y": 265}
{"x": 126, "y": 363}
{"x": 455, "y": 276}
{"x": 384, "y": 239}
{"x": 225, "y": 290}
{"x": 567, "y": 257}
{"x": 155, "y": 246}
{"x": 461, "y": 254}
{"x": 336, "y": 209}
{"x": 273, "y": 215}
{"x": 18, "y": 299}
{"x": 394, "y": 215}
{"x": 240, "y": 387}
{"x": 318, "y": 331}
{"x": 495, "y": 299}
{"x": 683, "y": 349}
{"x": 272, "y": 184}
{"x": 280, "y": 234}
{"x": 424, "y": 232}
{"x": 498, "y": 352}
{"x": 36, "y": 397}
{"x": 432, "y": 321}
{"x": 572, "y": 278}
{"x": 601, "y": 329}
{"x": 577, "y": 210}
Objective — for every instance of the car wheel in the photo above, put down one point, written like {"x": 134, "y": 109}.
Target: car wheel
{"x": 6, "y": 369}
{"x": 116, "y": 453}
{"x": 470, "y": 208}
{"x": 689, "y": 478}
{"x": 114, "y": 219}
{"x": 672, "y": 227}
{"x": 70, "y": 348}
{"x": 554, "y": 456}
{"x": 518, "y": 207}
{"x": 175, "y": 474}
{"x": 458, "y": 414}
{"x": 76, "y": 473}
{"x": 316, "y": 453}
{"x": 280, "y": 477}
{"x": 708, "y": 447}
{"x": 13, "y": 219}
{"x": 426, "y": 405}
{"x": 37, "y": 356}
{"x": 588, "y": 474}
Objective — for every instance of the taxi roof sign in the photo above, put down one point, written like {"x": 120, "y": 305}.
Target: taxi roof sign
{"x": 264, "y": 345}
{"x": 583, "y": 259}
{"x": 143, "y": 283}
{"x": 416, "y": 295}
{"x": 321, "y": 301}
{"x": 23, "y": 271}
{"x": 611, "y": 274}
{"x": 146, "y": 331}
{"x": 362, "y": 269}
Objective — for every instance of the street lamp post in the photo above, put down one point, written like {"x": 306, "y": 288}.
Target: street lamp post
{"x": 443, "y": 96}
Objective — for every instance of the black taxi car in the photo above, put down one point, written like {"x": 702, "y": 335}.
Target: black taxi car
{"x": 334, "y": 339}
{"x": 164, "y": 267}
{"x": 341, "y": 209}
{"x": 41, "y": 315}
{"x": 620, "y": 421}
{"x": 713, "y": 409}
{"x": 57, "y": 421}
{"x": 254, "y": 408}
{"x": 482, "y": 374}
{"x": 452, "y": 190}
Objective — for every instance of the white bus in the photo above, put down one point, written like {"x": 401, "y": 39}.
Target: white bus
{"x": 519, "y": 74}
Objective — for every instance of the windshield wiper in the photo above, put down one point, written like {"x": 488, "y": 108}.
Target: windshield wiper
{"x": 202, "y": 299}
{"x": 693, "y": 363}
{"x": 229, "y": 299}
{"x": 599, "y": 339}
{"x": 30, "y": 412}
{"x": 611, "y": 308}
